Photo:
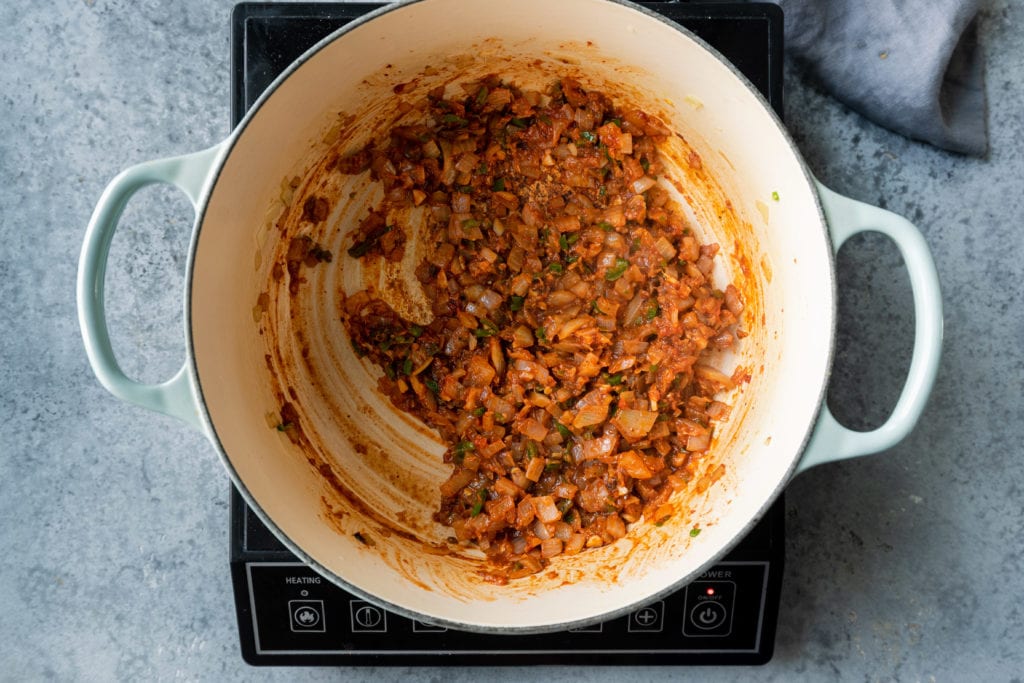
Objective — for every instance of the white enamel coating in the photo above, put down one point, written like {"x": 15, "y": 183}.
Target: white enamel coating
{"x": 341, "y": 94}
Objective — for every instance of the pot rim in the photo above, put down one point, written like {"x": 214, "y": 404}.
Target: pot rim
{"x": 299, "y": 552}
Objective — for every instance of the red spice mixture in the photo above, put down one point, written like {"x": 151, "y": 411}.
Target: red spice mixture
{"x": 573, "y": 308}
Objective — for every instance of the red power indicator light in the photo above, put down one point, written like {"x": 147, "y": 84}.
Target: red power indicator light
{"x": 710, "y": 591}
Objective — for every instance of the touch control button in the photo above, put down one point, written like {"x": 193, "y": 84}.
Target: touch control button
{"x": 709, "y": 606}
{"x": 708, "y": 615}
{"x": 307, "y": 616}
{"x": 367, "y": 618}
{"x": 647, "y": 619}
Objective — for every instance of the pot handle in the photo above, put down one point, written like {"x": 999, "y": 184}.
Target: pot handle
{"x": 830, "y": 441}
{"x": 189, "y": 173}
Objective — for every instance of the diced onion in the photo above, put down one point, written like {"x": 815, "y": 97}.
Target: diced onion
{"x": 574, "y": 544}
{"x": 533, "y": 429}
{"x": 665, "y": 248}
{"x": 698, "y": 442}
{"x": 535, "y": 468}
{"x": 733, "y": 301}
{"x": 641, "y": 185}
{"x": 574, "y": 315}
{"x": 563, "y": 531}
{"x": 634, "y": 424}
{"x": 615, "y": 526}
{"x": 561, "y": 298}
{"x": 551, "y": 547}
{"x": 456, "y": 482}
{"x": 491, "y": 299}
{"x": 546, "y": 509}
{"x": 632, "y": 310}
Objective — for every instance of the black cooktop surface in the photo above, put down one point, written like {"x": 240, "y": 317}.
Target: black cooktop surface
{"x": 288, "y": 614}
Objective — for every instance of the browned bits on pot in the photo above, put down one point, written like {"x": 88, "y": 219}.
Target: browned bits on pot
{"x": 316, "y": 209}
{"x": 376, "y": 236}
{"x": 354, "y": 163}
{"x": 303, "y": 252}
{"x": 566, "y": 363}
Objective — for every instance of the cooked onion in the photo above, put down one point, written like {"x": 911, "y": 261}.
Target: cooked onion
{"x": 632, "y": 310}
{"x": 550, "y": 547}
{"x": 546, "y": 509}
{"x": 643, "y": 184}
{"x": 634, "y": 424}
{"x": 491, "y": 299}
{"x": 574, "y": 544}
{"x": 566, "y": 364}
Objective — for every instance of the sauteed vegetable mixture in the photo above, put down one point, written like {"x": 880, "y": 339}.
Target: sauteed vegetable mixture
{"x": 573, "y": 309}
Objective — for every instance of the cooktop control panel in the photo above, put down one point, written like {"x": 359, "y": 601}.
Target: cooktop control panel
{"x": 296, "y": 612}
{"x": 289, "y": 614}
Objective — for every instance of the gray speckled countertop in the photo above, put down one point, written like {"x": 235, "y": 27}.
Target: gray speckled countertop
{"x": 904, "y": 566}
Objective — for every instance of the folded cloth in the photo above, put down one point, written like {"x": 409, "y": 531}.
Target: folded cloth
{"x": 913, "y": 66}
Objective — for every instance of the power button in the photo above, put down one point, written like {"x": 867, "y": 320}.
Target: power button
{"x": 709, "y": 608}
{"x": 708, "y": 615}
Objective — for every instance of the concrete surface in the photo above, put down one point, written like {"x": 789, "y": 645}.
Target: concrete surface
{"x": 905, "y": 566}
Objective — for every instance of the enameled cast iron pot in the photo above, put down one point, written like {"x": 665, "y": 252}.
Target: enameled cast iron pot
{"x": 365, "y": 468}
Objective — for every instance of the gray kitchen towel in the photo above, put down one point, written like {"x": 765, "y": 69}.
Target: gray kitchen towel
{"x": 913, "y": 66}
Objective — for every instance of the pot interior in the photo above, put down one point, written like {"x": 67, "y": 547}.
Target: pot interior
{"x": 353, "y": 490}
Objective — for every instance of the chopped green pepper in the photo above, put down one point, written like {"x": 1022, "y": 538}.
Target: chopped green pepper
{"x": 481, "y": 496}
{"x": 618, "y": 270}
{"x": 360, "y": 249}
{"x": 460, "y": 450}
{"x": 516, "y": 303}
{"x": 486, "y": 329}
{"x": 453, "y": 119}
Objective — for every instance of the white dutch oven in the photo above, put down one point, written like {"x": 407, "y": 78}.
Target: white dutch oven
{"x": 365, "y": 467}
